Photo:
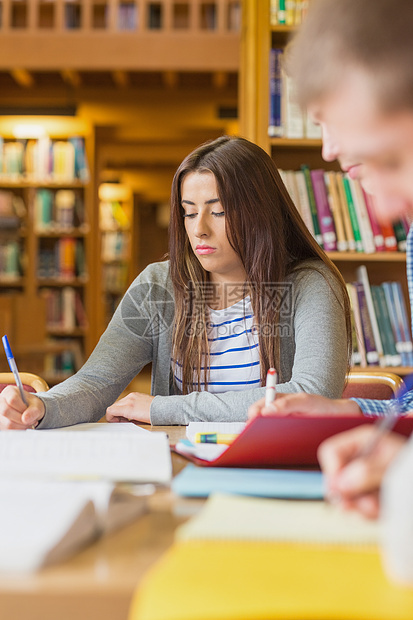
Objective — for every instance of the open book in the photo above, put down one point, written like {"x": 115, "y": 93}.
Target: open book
{"x": 44, "y": 522}
{"x": 58, "y": 492}
{"x": 107, "y": 453}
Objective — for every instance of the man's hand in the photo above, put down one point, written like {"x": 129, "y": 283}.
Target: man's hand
{"x": 134, "y": 407}
{"x": 304, "y": 404}
{"x": 354, "y": 481}
{"x": 14, "y": 414}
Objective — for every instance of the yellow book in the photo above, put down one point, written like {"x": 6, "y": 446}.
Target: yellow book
{"x": 247, "y": 558}
{"x": 335, "y": 206}
{"x": 261, "y": 581}
{"x": 344, "y": 210}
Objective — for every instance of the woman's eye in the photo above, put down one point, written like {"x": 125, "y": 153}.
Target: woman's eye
{"x": 189, "y": 215}
{"x": 220, "y": 214}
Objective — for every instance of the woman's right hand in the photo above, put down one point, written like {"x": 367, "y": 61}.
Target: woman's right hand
{"x": 14, "y": 414}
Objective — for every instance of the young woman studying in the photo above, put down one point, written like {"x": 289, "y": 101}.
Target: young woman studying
{"x": 245, "y": 288}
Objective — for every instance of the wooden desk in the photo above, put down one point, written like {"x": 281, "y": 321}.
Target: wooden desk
{"x": 98, "y": 583}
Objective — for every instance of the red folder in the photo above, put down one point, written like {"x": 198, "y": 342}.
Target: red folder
{"x": 287, "y": 441}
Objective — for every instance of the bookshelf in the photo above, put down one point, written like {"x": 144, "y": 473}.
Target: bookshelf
{"x": 258, "y": 38}
{"x": 46, "y": 178}
{"x": 117, "y": 246}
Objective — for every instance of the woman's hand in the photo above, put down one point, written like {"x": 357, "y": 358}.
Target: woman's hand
{"x": 304, "y": 404}
{"x": 14, "y": 414}
{"x": 134, "y": 407}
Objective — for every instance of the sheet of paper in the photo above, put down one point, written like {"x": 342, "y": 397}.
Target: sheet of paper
{"x": 102, "y": 427}
{"x": 236, "y": 517}
{"x": 44, "y": 522}
{"x": 213, "y": 427}
{"x": 203, "y": 481}
{"x": 205, "y": 451}
{"x": 114, "y": 456}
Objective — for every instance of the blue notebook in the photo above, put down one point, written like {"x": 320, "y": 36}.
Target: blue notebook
{"x": 281, "y": 483}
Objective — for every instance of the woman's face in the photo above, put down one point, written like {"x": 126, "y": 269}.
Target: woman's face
{"x": 204, "y": 221}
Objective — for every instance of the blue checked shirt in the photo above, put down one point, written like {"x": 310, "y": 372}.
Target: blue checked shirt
{"x": 380, "y": 407}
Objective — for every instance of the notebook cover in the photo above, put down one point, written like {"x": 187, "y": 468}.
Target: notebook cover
{"x": 291, "y": 440}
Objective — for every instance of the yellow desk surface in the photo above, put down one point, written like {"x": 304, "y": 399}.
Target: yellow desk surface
{"x": 98, "y": 583}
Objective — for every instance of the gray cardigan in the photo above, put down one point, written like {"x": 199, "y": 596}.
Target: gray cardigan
{"x": 313, "y": 354}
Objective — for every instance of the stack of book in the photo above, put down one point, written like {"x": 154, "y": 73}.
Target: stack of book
{"x": 339, "y": 214}
{"x": 65, "y": 260}
{"x": 64, "y": 309}
{"x": 44, "y": 160}
{"x": 381, "y": 329}
{"x": 287, "y": 12}
{"x": 286, "y": 118}
{"x": 58, "y": 210}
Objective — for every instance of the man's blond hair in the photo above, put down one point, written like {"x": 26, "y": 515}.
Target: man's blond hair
{"x": 375, "y": 36}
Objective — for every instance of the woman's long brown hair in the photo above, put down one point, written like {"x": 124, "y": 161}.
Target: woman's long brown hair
{"x": 264, "y": 228}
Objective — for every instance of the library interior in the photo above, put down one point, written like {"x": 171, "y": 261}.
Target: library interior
{"x": 100, "y": 102}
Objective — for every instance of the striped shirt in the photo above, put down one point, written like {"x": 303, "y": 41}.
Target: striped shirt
{"x": 380, "y": 407}
{"x": 233, "y": 350}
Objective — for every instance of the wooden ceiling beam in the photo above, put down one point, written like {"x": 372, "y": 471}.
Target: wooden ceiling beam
{"x": 73, "y": 78}
{"x": 220, "y": 79}
{"x": 22, "y": 77}
{"x": 121, "y": 78}
{"x": 170, "y": 79}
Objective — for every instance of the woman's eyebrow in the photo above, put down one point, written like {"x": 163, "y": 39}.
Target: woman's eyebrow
{"x": 207, "y": 202}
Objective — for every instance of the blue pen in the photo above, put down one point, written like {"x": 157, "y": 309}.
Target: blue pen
{"x": 13, "y": 368}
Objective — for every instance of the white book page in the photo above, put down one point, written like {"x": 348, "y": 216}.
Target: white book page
{"x": 114, "y": 456}
{"x": 233, "y": 517}
{"x": 102, "y": 427}
{"x": 213, "y": 427}
{"x": 45, "y": 522}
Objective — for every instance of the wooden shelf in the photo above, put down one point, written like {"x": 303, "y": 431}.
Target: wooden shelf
{"x": 362, "y": 257}
{"x": 58, "y": 282}
{"x": 62, "y": 232}
{"x": 291, "y": 143}
{"x": 57, "y": 331}
{"x": 19, "y": 183}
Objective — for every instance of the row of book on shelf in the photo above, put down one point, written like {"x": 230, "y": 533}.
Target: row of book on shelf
{"x": 339, "y": 214}
{"x": 65, "y": 259}
{"x": 288, "y": 12}
{"x": 64, "y": 358}
{"x": 10, "y": 260}
{"x": 64, "y": 309}
{"x": 44, "y": 159}
{"x": 115, "y": 246}
{"x": 115, "y": 278}
{"x": 380, "y": 323}
{"x": 58, "y": 210}
{"x": 286, "y": 117}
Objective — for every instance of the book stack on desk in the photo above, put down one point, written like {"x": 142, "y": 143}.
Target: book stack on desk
{"x": 61, "y": 489}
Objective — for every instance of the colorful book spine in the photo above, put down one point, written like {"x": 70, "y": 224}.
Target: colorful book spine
{"x": 314, "y": 216}
{"x": 281, "y": 12}
{"x": 362, "y": 217}
{"x": 325, "y": 217}
{"x": 344, "y": 210}
{"x": 374, "y": 223}
{"x": 359, "y": 350}
{"x": 391, "y": 357}
{"x": 396, "y": 326}
{"x": 275, "y": 128}
{"x": 304, "y": 201}
{"x": 363, "y": 277}
{"x": 400, "y": 234}
{"x": 372, "y": 355}
{"x": 335, "y": 208}
{"x": 353, "y": 215}
{"x": 401, "y": 311}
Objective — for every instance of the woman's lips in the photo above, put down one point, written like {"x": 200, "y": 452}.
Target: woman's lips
{"x": 204, "y": 249}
